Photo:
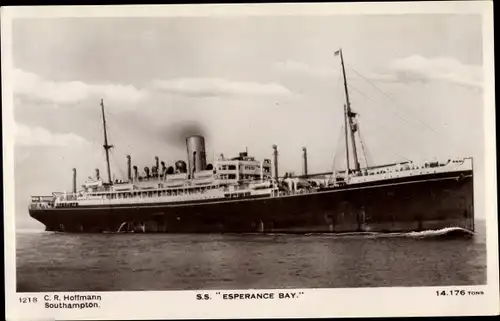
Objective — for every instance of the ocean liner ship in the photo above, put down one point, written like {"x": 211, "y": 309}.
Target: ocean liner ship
{"x": 245, "y": 195}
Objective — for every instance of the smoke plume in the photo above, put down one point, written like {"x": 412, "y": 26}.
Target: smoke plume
{"x": 176, "y": 133}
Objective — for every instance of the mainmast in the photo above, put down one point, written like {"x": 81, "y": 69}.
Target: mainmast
{"x": 106, "y": 146}
{"x": 349, "y": 116}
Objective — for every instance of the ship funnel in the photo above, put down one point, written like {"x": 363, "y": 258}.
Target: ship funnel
{"x": 97, "y": 177}
{"x": 74, "y": 180}
{"x": 275, "y": 162}
{"x": 129, "y": 168}
{"x": 304, "y": 160}
{"x": 196, "y": 154}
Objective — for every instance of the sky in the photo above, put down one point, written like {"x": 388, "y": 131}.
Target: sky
{"x": 242, "y": 82}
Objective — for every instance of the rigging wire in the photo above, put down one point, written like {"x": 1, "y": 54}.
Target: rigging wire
{"x": 362, "y": 147}
{"x": 338, "y": 80}
{"x": 394, "y": 113}
{"x": 391, "y": 99}
{"x": 112, "y": 152}
{"x": 117, "y": 126}
{"x": 339, "y": 148}
{"x": 96, "y": 127}
{"x": 368, "y": 156}
{"x": 120, "y": 170}
{"x": 387, "y": 128}
{"x": 399, "y": 133}
{"x": 396, "y": 104}
{"x": 358, "y": 91}
{"x": 365, "y": 151}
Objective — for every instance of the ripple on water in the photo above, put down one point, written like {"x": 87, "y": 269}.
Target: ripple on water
{"x": 114, "y": 262}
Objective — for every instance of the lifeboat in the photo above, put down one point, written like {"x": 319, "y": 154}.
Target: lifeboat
{"x": 93, "y": 184}
{"x": 123, "y": 187}
{"x": 261, "y": 185}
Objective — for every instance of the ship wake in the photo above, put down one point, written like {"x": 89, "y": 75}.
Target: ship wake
{"x": 448, "y": 232}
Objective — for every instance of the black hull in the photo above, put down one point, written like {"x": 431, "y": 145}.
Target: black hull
{"x": 403, "y": 205}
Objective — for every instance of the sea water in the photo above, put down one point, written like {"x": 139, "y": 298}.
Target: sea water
{"x": 48, "y": 261}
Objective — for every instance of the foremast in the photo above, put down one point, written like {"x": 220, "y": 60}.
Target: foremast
{"x": 106, "y": 146}
{"x": 350, "y": 124}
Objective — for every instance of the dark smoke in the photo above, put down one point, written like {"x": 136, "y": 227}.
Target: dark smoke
{"x": 176, "y": 133}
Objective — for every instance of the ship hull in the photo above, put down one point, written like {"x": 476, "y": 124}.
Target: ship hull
{"x": 414, "y": 204}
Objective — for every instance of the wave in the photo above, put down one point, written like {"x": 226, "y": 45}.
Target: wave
{"x": 444, "y": 232}
{"x": 448, "y": 231}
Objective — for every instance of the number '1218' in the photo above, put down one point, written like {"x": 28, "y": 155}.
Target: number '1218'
{"x": 28, "y": 300}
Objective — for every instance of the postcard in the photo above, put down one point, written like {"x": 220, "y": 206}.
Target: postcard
{"x": 249, "y": 161}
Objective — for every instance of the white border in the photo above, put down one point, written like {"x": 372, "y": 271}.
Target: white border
{"x": 418, "y": 301}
